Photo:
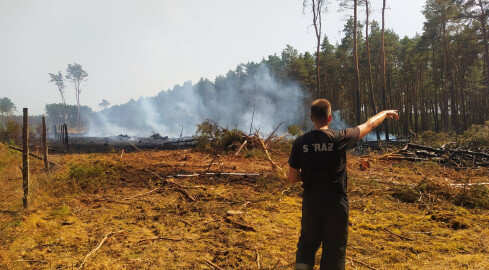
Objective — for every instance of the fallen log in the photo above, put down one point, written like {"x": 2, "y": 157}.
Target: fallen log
{"x": 426, "y": 148}
{"x": 443, "y": 150}
{"x": 469, "y": 185}
{"x": 468, "y": 152}
{"x": 215, "y": 173}
{"x": 401, "y": 157}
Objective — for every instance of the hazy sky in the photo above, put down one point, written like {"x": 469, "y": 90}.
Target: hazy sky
{"x": 133, "y": 48}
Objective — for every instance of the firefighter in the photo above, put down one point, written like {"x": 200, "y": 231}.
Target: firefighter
{"x": 318, "y": 159}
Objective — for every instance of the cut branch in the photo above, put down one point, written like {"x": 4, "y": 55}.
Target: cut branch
{"x": 143, "y": 194}
{"x": 241, "y": 226}
{"x": 95, "y": 249}
{"x": 267, "y": 140}
{"x": 362, "y": 263}
{"x": 179, "y": 187}
{"x": 274, "y": 165}
{"x": 398, "y": 235}
{"x": 140, "y": 150}
{"x": 212, "y": 161}
{"x": 212, "y": 264}
{"x": 240, "y": 148}
{"x": 160, "y": 238}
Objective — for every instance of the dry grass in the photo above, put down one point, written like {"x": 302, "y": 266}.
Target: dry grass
{"x": 89, "y": 196}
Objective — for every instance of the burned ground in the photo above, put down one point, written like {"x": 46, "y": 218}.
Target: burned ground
{"x": 403, "y": 215}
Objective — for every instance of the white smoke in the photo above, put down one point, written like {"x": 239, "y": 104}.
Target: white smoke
{"x": 229, "y": 101}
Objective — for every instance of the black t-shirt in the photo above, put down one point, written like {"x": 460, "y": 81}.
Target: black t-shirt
{"x": 321, "y": 157}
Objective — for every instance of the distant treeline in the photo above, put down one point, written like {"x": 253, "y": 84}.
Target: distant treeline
{"x": 438, "y": 80}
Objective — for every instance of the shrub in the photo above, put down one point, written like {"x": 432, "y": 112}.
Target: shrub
{"x": 406, "y": 194}
{"x": 210, "y": 136}
{"x": 434, "y": 189}
{"x": 434, "y": 139}
{"x": 476, "y": 136}
{"x": 230, "y": 138}
{"x": 294, "y": 130}
{"x": 12, "y": 134}
{"x": 259, "y": 153}
{"x": 7, "y": 158}
{"x": 206, "y": 132}
{"x": 476, "y": 196}
{"x": 62, "y": 211}
{"x": 91, "y": 176}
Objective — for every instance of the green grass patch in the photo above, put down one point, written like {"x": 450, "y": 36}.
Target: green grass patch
{"x": 91, "y": 176}
{"x": 62, "y": 211}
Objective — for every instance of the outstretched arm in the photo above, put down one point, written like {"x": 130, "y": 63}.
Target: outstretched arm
{"x": 375, "y": 121}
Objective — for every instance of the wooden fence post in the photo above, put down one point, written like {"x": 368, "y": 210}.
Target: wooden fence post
{"x": 25, "y": 157}
{"x": 45, "y": 144}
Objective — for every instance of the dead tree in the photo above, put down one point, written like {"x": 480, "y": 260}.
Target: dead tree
{"x": 317, "y": 7}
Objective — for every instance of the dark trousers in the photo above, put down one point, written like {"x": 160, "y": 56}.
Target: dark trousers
{"x": 323, "y": 222}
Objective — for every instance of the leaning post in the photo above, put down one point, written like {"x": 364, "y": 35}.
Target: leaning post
{"x": 25, "y": 157}
{"x": 45, "y": 144}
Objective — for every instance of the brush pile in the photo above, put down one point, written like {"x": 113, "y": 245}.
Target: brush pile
{"x": 214, "y": 138}
{"x": 364, "y": 148}
{"x": 460, "y": 157}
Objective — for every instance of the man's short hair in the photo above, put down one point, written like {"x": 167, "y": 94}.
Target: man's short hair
{"x": 321, "y": 109}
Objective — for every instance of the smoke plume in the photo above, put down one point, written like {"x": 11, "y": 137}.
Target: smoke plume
{"x": 231, "y": 101}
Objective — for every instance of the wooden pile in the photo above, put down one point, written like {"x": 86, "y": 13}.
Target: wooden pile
{"x": 459, "y": 157}
{"x": 254, "y": 141}
{"x": 364, "y": 148}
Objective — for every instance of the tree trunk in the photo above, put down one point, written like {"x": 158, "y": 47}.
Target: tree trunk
{"x": 435, "y": 86}
{"x": 355, "y": 64}
{"x": 415, "y": 107}
{"x": 483, "y": 21}
{"x": 369, "y": 67}
{"x": 77, "y": 89}
{"x": 316, "y": 10}
{"x": 462, "y": 103}
{"x": 382, "y": 62}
